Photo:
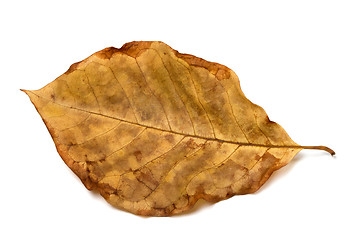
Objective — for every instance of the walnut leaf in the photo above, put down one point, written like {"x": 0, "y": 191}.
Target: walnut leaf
{"x": 154, "y": 130}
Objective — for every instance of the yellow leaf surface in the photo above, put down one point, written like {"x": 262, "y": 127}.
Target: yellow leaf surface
{"x": 154, "y": 130}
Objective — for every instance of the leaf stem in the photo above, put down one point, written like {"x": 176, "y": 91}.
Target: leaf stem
{"x": 329, "y": 150}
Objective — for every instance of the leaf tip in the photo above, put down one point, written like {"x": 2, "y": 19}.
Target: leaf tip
{"x": 24, "y": 90}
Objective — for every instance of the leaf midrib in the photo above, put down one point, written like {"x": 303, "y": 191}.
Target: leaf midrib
{"x": 170, "y": 131}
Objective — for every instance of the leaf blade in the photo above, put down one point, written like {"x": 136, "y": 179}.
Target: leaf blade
{"x": 154, "y": 130}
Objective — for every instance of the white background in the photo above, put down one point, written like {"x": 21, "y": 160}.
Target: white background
{"x": 293, "y": 58}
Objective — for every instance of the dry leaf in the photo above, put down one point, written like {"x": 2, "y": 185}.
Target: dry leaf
{"x": 154, "y": 130}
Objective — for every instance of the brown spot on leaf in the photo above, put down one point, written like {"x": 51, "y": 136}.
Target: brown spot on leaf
{"x": 170, "y": 138}
{"x": 192, "y": 144}
{"x": 138, "y": 155}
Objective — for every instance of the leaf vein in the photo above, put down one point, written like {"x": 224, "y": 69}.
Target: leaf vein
{"x": 144, "y": 77}
{"x": 94, "y": 94}
{"x": 125, "y": 145}
{"x": 231, "y": 108}
{"x": 100, "y": 134}
{"x": 171, "y": 79}
{"x": 117, "y": 80}
{"x": 215, "y": 166}
{"x": 173, "y": 167}
{"x": 144, "y": 165}
{"x": 198, "y": 98}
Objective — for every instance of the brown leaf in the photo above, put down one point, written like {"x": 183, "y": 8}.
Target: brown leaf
{"x": 154, "y": 130}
